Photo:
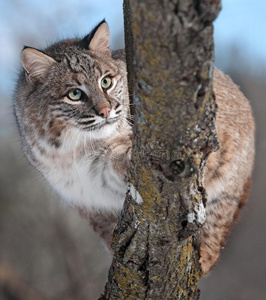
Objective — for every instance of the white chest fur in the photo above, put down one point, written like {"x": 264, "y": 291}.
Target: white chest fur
{"x": 84, "y": 180}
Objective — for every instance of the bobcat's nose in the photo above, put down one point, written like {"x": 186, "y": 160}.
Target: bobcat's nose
{"x": 104, "y": 112}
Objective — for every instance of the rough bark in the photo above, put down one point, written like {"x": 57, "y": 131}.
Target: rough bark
{"x": 169, "y": 47}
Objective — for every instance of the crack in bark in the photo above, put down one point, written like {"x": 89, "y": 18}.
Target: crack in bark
{"x": 196, "y": 4}
{"x": 122, "y": 250}
{"x": 146, "y": 265}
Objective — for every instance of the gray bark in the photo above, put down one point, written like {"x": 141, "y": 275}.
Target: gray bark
{"x": 169, "y": 47}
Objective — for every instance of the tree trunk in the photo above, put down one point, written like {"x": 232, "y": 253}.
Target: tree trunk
{"x": 169, "y": 47}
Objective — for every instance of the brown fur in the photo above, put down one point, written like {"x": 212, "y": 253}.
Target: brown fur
{"x": 243, "y": 199}
{"x": 103, "y": 224}
{"x": 228, "y": 171}
{"x": 90, "y": 172}
{"x": 231, "y": 164}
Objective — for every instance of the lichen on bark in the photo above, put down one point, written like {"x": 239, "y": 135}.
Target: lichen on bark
{"x": 169, "y": 47}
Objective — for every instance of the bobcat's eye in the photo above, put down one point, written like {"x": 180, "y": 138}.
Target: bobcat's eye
{"x": 74, "y": 95}
{"x": 106, "y": 82}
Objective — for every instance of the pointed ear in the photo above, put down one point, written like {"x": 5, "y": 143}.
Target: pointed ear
{"x": 98, "y": 39}
{"x": 35, "y": 63}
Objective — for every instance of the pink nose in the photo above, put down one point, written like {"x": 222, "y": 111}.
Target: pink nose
{"x": 104, "y": 112}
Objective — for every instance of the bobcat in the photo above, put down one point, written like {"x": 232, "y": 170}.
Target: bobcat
{"x": 72, "y": 104}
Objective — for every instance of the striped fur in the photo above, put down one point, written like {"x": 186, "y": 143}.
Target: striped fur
{"x": 85, "y": 157}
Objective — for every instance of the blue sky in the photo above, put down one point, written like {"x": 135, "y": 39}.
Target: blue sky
{"x": 240, "y": 26}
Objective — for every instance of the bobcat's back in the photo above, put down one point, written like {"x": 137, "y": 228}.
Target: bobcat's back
{"x": 228, "y": 171}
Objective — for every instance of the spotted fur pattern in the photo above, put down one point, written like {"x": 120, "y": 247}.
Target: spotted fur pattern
{"x": 85, "y": 156}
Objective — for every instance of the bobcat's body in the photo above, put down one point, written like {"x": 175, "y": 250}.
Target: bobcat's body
{"x": 83, "y": 147}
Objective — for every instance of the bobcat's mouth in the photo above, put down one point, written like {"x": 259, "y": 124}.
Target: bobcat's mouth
{"x": 104, "y": 123}
{"x": 104, "y": 129}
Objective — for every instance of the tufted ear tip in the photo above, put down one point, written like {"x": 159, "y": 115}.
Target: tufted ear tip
{"x": 35, "y": 63}
{"x": 98, "y": 39}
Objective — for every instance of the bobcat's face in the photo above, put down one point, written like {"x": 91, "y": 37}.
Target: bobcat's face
{"x": 92, "y": 96}
{"x": 75, "y": 86}
{"x": 71, "y": 105}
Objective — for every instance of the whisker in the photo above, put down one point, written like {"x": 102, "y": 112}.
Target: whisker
{"x": 129, "y": 123}
{"x": 84, "y": 145}
{"x": 131, "y": 120}
{"x": 92, "y": 142}
{"x": 70, "y": 140}
{"x": 64, "y": 140}
{"x": 75, "y": 158}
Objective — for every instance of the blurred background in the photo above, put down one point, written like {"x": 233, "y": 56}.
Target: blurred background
{"x": 46, "y": 250}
